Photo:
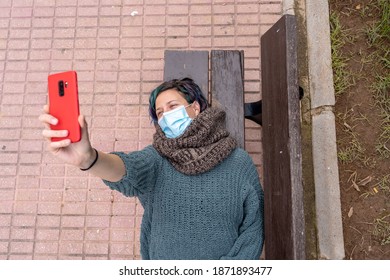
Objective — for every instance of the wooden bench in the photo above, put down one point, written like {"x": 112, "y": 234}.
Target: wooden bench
{"x": 278, "y": 113}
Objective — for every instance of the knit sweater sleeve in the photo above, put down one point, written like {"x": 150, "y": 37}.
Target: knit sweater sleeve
{"x": 141, "y": 169}
{"x": 249, "y": 243}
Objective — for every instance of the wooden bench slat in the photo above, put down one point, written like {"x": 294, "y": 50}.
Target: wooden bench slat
{"x": 282, "y": 159}
{"x": 191, "y": 64}
{"x": 227, "y": 89}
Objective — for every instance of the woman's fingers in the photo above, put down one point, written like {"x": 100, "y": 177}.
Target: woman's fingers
{"x": 46, "y": 109}
{"x": 59, "y": 144}
{"x": 48, "y": 133}
{"x": 49, "y": 119}
{"x": 84, "y": 127}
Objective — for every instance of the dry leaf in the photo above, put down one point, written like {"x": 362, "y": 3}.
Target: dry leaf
{"x": 365, "y": 181}
{"x": 355, "y": 186}
{"x": 350, "y": 212}
{"x": 354, "y": 174}
{"x": 358, "y": 7}
{"x": 347, "y": 126}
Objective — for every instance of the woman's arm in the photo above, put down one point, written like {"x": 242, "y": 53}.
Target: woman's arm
{"x": 109, "y": 167}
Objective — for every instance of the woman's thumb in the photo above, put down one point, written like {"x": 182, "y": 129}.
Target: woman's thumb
{"x": 84, "y": 127}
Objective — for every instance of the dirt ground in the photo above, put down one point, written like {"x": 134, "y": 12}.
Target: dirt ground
{"x": 362, "y": 130}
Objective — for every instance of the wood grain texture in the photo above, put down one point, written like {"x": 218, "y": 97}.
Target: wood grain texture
{"x": 227, "y": 89}
{"x": 191, "y": 64}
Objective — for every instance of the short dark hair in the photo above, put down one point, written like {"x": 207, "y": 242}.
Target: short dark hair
{"x": 186, "y": 86}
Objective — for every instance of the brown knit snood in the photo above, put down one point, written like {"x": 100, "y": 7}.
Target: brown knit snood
{"x": 204, "y": 144}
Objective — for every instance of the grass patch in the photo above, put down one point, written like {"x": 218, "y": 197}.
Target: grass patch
{"x": 382, "y": 229}
{"x": 379, "y": 32}
{"x": 360, "y": 37}
{"x": 384, "y": 184}
{"x": 354, "y": 151}
{"x": 378, "y": 57}
{"x": 383, "y": 145}
{"x": 350, "y": 148}
{"x": 382, "y": 100}
{"x": 342, "y": 77}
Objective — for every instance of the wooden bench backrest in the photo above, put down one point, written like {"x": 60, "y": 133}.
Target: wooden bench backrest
{"x": 282, "y": 158}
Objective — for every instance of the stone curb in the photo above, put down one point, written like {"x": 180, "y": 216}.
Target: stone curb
{"x": 326, "y": 175}
{"x": 330, "y": 240}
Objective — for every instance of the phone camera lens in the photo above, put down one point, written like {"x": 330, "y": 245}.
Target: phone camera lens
{"x": 61, "y": 90}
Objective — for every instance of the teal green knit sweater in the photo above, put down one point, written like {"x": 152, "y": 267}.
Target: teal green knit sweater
{"x": 214, "y": 215}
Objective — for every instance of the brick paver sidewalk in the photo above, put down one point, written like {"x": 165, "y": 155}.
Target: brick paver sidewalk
{"x": 52, "y": 211}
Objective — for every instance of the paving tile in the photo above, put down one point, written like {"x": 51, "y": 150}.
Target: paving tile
{"x": 49, "y": 208}
{"x": 38, "y": 256}
{"x": 19, "y": 247}
{"x": 5, "y": 220}
{"x": 122, "y": 234}
{"x": 72, "y": 234}
{"x": 22, "y": 233}
{"x": 7, "y": 194}
{"x": 23, "y": 207}
{"x": 97, "y": 222}
{"x": 120, "y": 208}
{"x": 48, "y": 221}
{"x": 73, "y": 221}
{"x": 74, "y": 208}
{"x": 93, "y": 248}
{"x": 4, "y": 247}
{"x": 122, "y": 249}
{"x": 98, "y": 208}
{"x": 46, "y": 248}
{"x": 20, "y": 257}
{"x": 122, "y": 222}
{"x": 70, "y": 248}
{"x": 5, "y": 234}
{"x": 23, "y": 221}
{"x": 43, "y": 234}
{"x": 97, "y": 234}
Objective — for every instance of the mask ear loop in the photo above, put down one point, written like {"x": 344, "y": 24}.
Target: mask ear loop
{"x": 192, "y": 107}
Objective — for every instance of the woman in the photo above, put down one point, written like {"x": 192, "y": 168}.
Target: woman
{"x": 201, "y": 194}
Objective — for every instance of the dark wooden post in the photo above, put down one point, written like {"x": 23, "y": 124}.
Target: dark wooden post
{"x": 284, "y": 217}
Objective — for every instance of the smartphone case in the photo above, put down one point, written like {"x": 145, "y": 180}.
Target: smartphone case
{"x": 64, "y": 104}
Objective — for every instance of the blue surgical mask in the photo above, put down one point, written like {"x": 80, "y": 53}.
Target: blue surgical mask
{"x": 173, "y": 123}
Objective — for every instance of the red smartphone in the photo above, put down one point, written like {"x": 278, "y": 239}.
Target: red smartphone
{"x": 64, "y": 104}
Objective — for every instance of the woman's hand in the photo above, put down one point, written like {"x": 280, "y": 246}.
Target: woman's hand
{"x": 80, "y": 154}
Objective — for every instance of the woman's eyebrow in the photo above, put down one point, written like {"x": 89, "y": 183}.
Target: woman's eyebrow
{"x": 169, "y": 102}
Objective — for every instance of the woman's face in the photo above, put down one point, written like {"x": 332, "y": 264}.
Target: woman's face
{"x": 171, "y": 99}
